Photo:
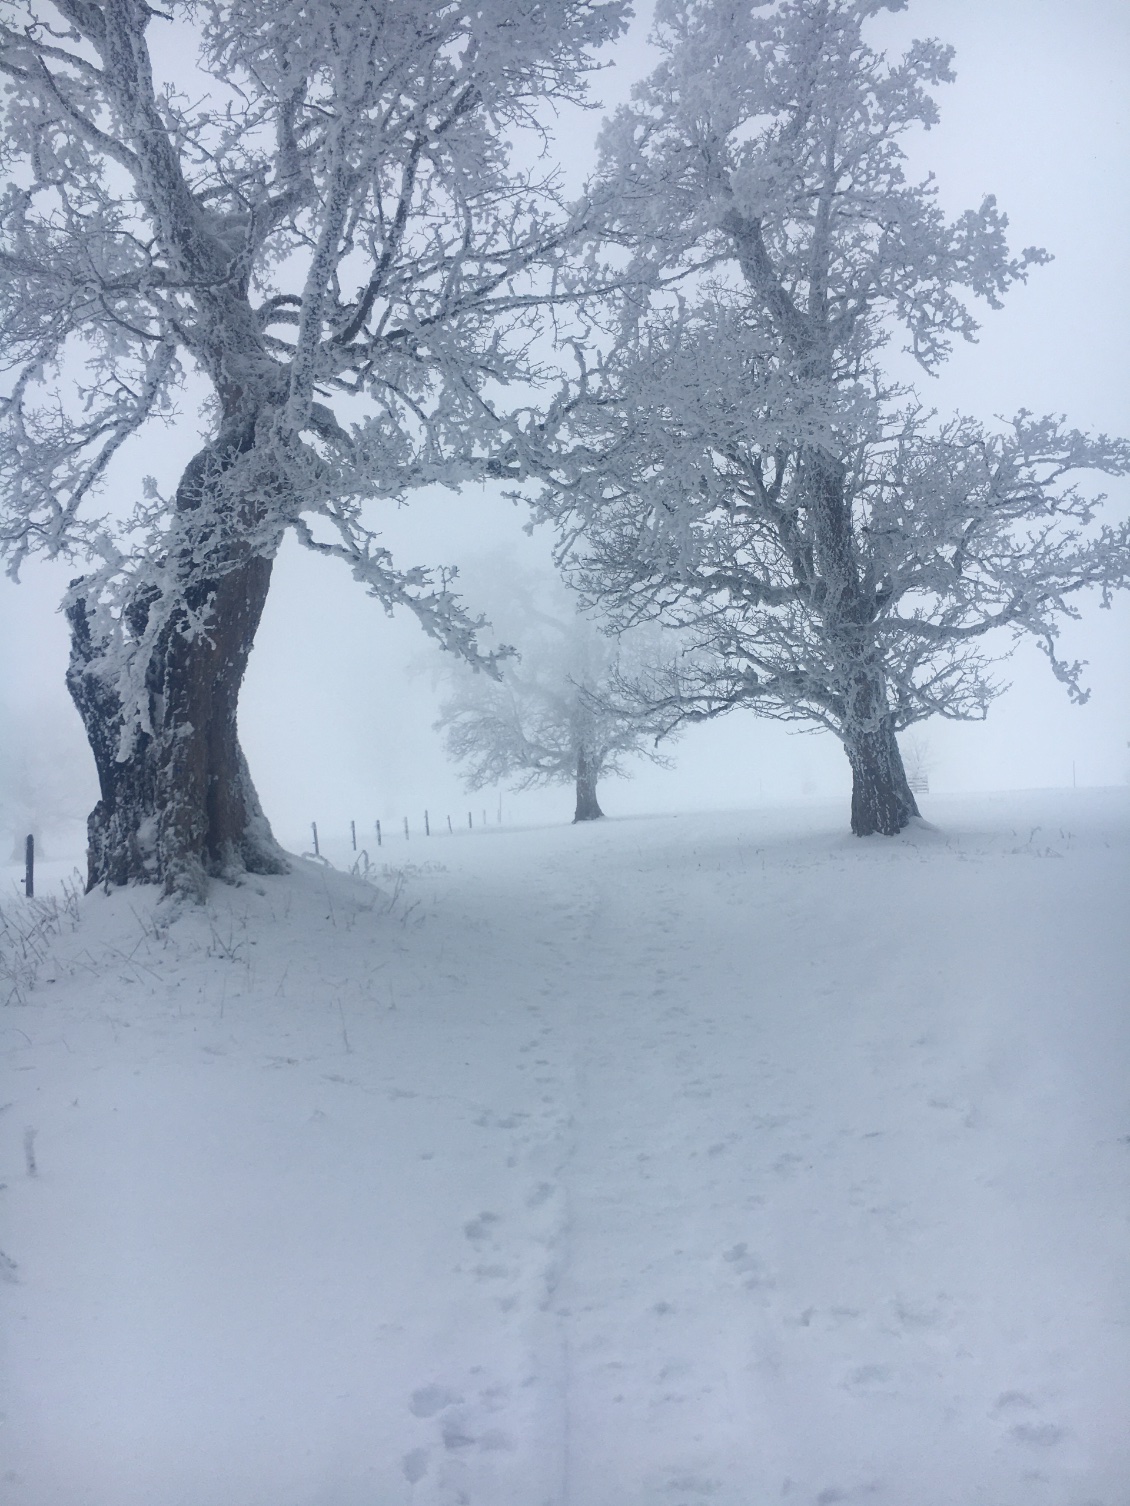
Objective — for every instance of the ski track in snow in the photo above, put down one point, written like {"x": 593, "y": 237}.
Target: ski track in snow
{"x": 703, "y": 1161}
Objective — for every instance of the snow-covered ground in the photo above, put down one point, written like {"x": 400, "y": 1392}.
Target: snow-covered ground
{"x": 712, "y": 1160}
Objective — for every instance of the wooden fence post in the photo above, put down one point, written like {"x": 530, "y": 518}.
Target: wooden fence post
{"x": 29, "y": 867}
{"x": 353, "y": 834}
{"x": 378, "y": 833}
{"x": 314, "y": 829}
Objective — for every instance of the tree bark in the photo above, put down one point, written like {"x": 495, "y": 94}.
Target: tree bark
{"x": 178, "y": 805}
{"x": 881, "y": 799}
{"x": 882, "y": 802}
{"x": 587, "y": 807}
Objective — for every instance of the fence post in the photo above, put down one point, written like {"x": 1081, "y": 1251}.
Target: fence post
{"x": 427, "y": 825}
{"x": 469, "y": 827}
{"x": 29, "y": 867}
{"x": 449, "y": 826}
{"x": 406, "y": 828}
{"x": 353, "y": 834}
{"x": 378, "y": 833}
{"x": 314, "y": 829}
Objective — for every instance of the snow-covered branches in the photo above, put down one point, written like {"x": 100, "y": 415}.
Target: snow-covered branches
{"x": 738, "y": 462}
{"x": 768, "y": 140}
{"x": 956, "y": 530}
{"x": 334, "y": 213}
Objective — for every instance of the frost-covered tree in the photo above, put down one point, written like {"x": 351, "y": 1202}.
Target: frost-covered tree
{"x": 569, "y": 709}
{"x": 321, "y": 225}
{"x": 737, "y": 460}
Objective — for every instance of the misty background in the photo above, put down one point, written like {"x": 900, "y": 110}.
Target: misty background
{"x": 339, "y": 702}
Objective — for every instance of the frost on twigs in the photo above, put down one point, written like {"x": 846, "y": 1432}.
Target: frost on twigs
{"x": 737, "y": 461}
{"x": 323, "y": 225}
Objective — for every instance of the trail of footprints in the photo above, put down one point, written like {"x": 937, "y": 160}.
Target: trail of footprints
{"x": 473, "y": 1425}
{"x": 466, "y": 1424}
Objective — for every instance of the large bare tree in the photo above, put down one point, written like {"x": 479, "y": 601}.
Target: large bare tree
{"x": 316, "y": 218}
{"x": 737, "y": 458}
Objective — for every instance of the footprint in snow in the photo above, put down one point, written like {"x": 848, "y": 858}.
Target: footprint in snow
{"x": 492, "y": 1273}
{"x": 1015, "y": 1404}
{"x": 455, "y": 1435}
{"x": 415, "y": 1465}
{"x": 749, "y": 1265}
{"x": 479, "y": 1228}
{"x": 541, "y": 1193}
{"x": 462, "y": 1428}
{"x": 1041, "y": 1434}
{"x": 429, "y": 1400}
{"x": 490, "y": 1120}
{"x": 1012, "y": 1402}
{"x": 458, "y": 1434}
{"x": 694, "y": 1485}
{"x": 922, "y": 1314}
{"x": 868, "y": 1380}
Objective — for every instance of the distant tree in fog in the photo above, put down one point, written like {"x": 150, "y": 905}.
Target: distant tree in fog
{"x": 571, "y": 708}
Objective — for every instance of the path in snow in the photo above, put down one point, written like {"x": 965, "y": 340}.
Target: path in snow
{"x": 713, "y": 1159}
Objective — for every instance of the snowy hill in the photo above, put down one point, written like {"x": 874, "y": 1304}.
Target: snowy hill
{"x": 718, "y": 1158}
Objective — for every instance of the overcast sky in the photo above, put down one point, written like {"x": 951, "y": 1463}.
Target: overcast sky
{"x": 338, "y": 703}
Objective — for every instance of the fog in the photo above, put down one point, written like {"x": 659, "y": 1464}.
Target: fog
{"x": 340, "y": 699}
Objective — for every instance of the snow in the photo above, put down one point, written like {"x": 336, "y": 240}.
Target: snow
{"x": 715, "y": 1158}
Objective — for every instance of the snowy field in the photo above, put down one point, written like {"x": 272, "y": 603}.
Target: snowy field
{"x": 712, "y": 1160}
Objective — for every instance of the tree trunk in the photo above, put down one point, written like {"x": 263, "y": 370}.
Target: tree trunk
{"x": 587, "y": 807}
{"x": 882, "y": 801}
{"x": 881, "y": 798}
{"x": 178, "y": 805}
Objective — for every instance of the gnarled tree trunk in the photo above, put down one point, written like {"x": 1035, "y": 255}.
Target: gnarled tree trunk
{"x": 882, "y": 801}
{"x": 881, "y": 798}
{"x": 178, "y": 804}
{"x": 587, "y": 806}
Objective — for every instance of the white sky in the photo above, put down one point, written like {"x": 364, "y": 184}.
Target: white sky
{"x": 337, "y": 708}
